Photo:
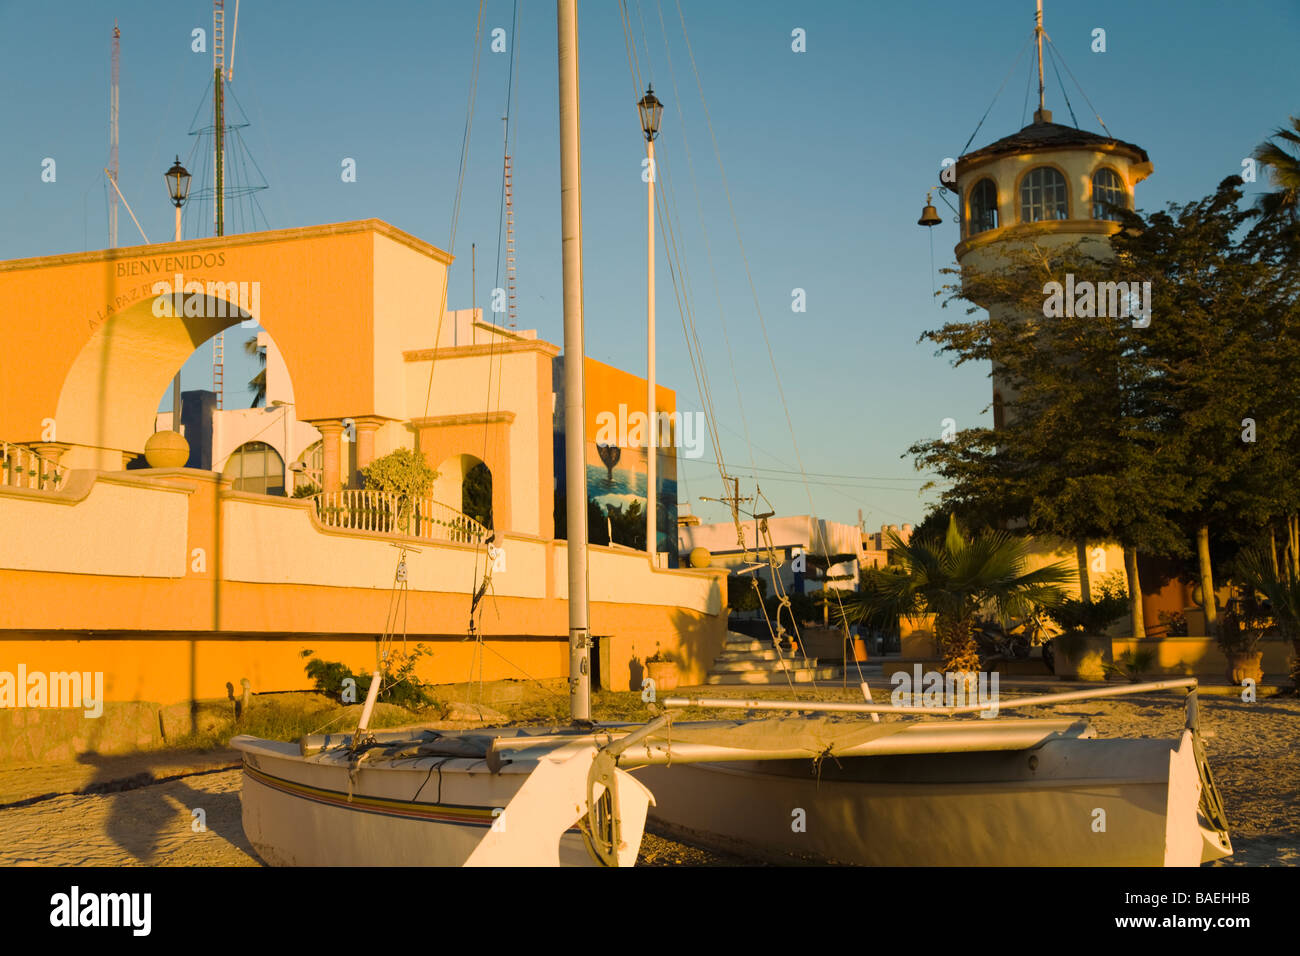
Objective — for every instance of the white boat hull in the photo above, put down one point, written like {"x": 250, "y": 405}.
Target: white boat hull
{"x": 428, "y": 811}
{"x": 1068, "y": 802}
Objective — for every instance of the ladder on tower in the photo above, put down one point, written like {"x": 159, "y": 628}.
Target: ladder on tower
{"x": 218, "y": 366}
{"x": 511, "y": 310}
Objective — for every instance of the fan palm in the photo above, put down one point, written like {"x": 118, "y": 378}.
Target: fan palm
{"x": 1285, "y": 170}
{"x": 954, "y": 578}
{"x": 1256, "y": 568}
{"x": 256, "y": 384}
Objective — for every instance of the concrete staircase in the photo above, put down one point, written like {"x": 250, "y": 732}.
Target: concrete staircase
{"x": 745, "y": 660}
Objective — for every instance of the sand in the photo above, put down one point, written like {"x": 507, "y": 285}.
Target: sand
{"x": 135, "y": 817}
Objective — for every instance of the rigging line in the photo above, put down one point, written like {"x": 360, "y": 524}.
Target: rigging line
{"x": 1079, "y": 86}
{"x": 745, "y": 259}
{"x": 995, "y": 95}
{"x": 1029, "y": 82}
{"x": 455, "y": 215}
{"x": 1059, "y": 82}
{"x": 708, "y": 244}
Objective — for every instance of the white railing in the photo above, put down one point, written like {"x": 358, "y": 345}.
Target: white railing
{"x": 383, "y": 513}
{"x": 20, "y": 467}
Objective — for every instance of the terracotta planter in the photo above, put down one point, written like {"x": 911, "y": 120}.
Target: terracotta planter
{"x": 1242, "y": 666}
{"x": 664, "y": 674}
{"x": 1082, "y": 656}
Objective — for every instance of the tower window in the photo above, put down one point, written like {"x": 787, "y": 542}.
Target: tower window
{"x": 983, "y": 206}
{"x": 1042, "y": 195}
{"x": 1107, "y": 189}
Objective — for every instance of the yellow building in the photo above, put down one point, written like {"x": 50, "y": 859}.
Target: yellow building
{"x": 173, "y": 583}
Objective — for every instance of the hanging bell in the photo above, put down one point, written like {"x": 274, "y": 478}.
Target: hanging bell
{"x": 929, "y": 215}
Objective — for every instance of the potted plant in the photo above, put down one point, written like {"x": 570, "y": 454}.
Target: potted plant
{"x": 1083, "y": 649}
{"x": 1279, "y": 583}
{"x": 1241, "y": 628}
{"x": 662, "y": 669}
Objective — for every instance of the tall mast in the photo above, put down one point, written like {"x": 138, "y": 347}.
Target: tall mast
{"x": 575, "y": 419}
{"x": 1038, "y": 36}
{"x": 218, "y": 108}
{"x": 112, "y": 138}
{"x": 219, "y": 157}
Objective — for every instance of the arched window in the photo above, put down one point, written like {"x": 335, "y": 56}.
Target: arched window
{"x": 476, "y": 494}
{"x": 1042, "y": 195}
{"x": 1107, "y": 188}
{"x": 983, "y": 206}
{"x": 256, "y": 466}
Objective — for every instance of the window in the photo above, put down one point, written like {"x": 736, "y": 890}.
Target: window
{"x": 983, "y": 207}
{"x": 1107, "y": 188}
{"x": 1042, "y": 195}
{"x": 256, "y": 466}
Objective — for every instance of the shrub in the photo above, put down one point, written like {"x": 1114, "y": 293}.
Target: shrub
{"x": 1093, "y": 617}
{"x": 740, "y": 592}
{"x": 403, "y": 473}
{"x": 1131, "y": 665}
{"x": 402, "y": 687}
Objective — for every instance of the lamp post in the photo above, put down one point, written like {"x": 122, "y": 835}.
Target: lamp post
{"x": 288, "y": 470}
{"x": 178, "y": 187}
{"x": 651, "y": 109}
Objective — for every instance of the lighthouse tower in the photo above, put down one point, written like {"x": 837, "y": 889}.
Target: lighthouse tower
{"x": 1046, "y": 184}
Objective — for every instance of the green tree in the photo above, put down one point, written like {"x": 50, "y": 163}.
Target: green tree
{"x": 1071, "y": 457}
{"x": 954, "y": 578}
{"x": 404, "y": 474}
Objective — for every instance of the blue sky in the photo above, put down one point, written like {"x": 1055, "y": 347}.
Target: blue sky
{"x": 828, "y": 154}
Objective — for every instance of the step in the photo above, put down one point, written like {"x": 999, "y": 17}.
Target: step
{"x": 751, "y": 645}
{"x": 801, "y": 676}
{"x": 765, "y": 655}
{"x": 726, "y": 667}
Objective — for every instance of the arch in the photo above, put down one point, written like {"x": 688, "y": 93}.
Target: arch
{"x": 1044, "y": 195}
{"x": 98, "y": 357}
{"x": 465, "y": 482}
{"x": 1108, "y": 187}
{"x": 982, "y": 207}
{"x": 257, "y": 467}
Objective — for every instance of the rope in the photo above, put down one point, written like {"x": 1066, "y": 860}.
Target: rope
{"x": 1078, "y": 86}
{"x": 995, "y": 98}
{"x": 460, "y": 187}
{"x": 1066, "y": 96}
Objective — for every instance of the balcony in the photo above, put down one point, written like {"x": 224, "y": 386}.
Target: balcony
{"x": 379, "y": 512}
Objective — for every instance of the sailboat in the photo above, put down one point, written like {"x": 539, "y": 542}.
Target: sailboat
{"x": 834, "y": 783}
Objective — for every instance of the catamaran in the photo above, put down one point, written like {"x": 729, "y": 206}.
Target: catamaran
{"x": 834, "y": 783}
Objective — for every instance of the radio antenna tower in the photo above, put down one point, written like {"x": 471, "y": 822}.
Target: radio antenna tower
{"x": 112, "y": 137}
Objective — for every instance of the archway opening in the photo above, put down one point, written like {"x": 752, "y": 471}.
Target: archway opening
{"x": 465, "y": 483}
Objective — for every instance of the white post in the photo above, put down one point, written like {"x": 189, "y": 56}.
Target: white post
{"x": 176, "y": 382}
{"x": 371, "y": 696}
{"x": 652, "y": 440}
{"x": 575, "y": 415}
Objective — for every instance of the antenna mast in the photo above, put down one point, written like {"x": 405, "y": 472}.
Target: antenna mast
{"x": 112, "y": 138}
{"x": 1041, "y": 115}
{"x": 219, "y": 200}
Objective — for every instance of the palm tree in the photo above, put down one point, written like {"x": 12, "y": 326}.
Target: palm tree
{"x": 954, "y": 578}
{"x": 1284, "y": 167}
{"x": 1260, "y": 570}
{"x": 256, "y": 384}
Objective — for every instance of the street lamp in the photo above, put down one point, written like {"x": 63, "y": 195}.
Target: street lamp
{"x": 178, "y": 187}
{"x": 651, "y": 110}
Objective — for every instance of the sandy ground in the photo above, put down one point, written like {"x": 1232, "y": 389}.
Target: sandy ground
{"x": 140, "y": 810}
